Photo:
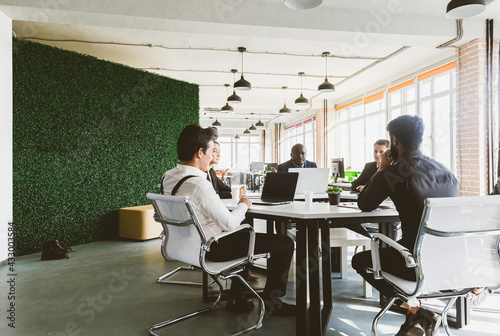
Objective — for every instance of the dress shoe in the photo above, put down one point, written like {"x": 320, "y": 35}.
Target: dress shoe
{"x": 432, "y": 321}
{"x": 416, "y": 330}
{"x": 409, "y": 323}
{"x": 239, "y": 305}
{"x": 277, "y": 307}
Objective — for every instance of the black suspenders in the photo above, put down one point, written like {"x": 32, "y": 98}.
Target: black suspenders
{"x": 177, "y": 186}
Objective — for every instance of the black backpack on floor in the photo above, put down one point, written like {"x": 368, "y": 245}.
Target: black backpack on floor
{"x": 52, "y": 250}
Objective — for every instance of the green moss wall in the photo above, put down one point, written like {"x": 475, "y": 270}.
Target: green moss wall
{"x": 90, "y": 137}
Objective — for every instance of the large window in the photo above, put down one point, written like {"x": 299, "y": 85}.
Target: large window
{"x": 359, "y": 124}
{"x": 304, "y": 133}
{"x": 436, "y": 108}
{"x": 402, "y": 99}
{"x": 238, "y": 154}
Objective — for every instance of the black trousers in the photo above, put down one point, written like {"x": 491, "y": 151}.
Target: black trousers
{"x": 391, "y": 261}
{"x": 280, "y": 248}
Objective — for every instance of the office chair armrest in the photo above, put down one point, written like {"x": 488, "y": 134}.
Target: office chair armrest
{"x": 251, "y": 242}
{"x": 405, "y": 253}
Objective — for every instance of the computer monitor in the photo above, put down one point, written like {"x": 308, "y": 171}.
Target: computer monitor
{"x": 338, "y": 168}
{"x": 257, "y": 166}
{"x": 269, "y": 166}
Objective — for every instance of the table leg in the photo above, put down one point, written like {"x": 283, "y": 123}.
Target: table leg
{"x": 314, "y": 286}
{"x": 301, "y": 281}
{"x": 462, "y": 313}
{"x": 270, "y": 226}
{"x": 326, "y": 274}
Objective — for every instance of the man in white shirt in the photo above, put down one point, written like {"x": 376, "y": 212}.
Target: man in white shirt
{"x": 194, "y": 150}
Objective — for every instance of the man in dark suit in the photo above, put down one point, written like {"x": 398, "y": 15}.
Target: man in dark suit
{"x": 298, "y": 159}
{"x": 370, "y": 169}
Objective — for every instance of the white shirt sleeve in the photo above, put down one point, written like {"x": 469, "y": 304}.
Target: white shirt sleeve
{"x": 215, "y": 211}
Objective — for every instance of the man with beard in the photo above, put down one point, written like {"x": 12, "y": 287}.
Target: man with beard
{"x": 407, "y": 177}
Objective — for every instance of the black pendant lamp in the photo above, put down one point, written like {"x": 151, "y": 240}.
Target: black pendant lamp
{"x": 246, "y": 131}
{"x": 301, "y": 100}
{"x": 326, "y": 86}
{"x": 234, "y": 98}
{"x": 285, "y": 109}
{"x": 259, "y": 123}
{"x": 461, "y": 9}
{"x": 242, "y": 83}
{"x": 252, "y": 128}
{"x": 236, "y": 136}
{"x": 216, "y": 123}
{"x": 227, "y": 107}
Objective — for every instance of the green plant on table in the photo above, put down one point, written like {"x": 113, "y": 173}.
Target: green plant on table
{"x": 333, "y": 190}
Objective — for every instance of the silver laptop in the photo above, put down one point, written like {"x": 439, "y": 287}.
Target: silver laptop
{"x": 279, "y": 188}
{"x": 312, "y": 179}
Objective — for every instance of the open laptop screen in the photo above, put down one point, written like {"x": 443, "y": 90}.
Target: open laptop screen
{"x": 279, "y": 186}
{"x": 312, "y": 179}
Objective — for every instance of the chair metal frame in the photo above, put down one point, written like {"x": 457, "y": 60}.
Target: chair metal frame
{"x": 224, "y": 271}
{"x": 161, "y": 279}
{"x": 415, "y": 260}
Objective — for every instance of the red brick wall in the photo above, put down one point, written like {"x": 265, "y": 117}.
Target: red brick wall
{"x": 323, "y": 120}
{"x": 471, "y": 128}
{"x": 277, "y": 140}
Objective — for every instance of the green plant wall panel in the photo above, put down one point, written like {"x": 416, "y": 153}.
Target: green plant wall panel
{"x": 90, "y": 137}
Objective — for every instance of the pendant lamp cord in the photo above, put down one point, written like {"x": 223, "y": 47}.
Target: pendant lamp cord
{"x": 242, "y": 62}
{"x": 326, "y": 67}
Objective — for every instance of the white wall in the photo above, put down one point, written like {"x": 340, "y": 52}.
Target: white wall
{"x": 5, "y": 131}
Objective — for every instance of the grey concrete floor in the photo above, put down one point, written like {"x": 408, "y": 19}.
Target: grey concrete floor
{"x": 110, "y": 288}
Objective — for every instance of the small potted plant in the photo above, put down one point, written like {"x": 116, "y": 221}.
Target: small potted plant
{"x": 334, "y": 195}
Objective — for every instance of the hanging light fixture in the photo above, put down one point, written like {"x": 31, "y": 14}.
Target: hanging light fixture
{"x": 216, "y": 123}
{"x": 326, "y": 86}
{"x": 252, "y": 128}
{"x": 302, "y": 4}
{"x": 259, "y": 123}
{"x": 246, "y": 131}
{"x": 227, "y": 107}
{"x": 285, "y": 109}
{"x": 236, "y": 136}
{"x": 301, "y": 100}
{"x": 461, "y": 9}
{"x": 242, "y": 84}
{"x": 234, "y": 98}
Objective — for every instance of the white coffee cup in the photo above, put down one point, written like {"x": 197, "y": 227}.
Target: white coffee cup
{"x": 235, "y": 192}
{"x": 308, "y": 196}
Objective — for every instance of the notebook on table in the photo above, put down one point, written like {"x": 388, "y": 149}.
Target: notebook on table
{"x": 312, "y": 179}
{"x": 279, "y": 188}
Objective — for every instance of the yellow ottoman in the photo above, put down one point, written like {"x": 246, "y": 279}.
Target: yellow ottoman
{"x": 137, "y": 223}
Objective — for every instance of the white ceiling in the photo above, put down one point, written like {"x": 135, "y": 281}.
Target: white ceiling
{"x": 197, "y": 41}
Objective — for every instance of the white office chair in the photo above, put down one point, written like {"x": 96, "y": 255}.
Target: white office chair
{"x": 186, "y": 242}
{"x": 162, "y": 279}
{"x": 457, "y": 249}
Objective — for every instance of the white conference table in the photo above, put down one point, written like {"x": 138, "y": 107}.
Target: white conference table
{"x": 312, "y": 272}
{"x": 345, "y": 195}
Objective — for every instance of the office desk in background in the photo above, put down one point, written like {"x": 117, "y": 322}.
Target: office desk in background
{"x": 312, "y": 272}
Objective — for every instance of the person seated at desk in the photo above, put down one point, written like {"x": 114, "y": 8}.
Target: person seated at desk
{"x": 222, "y": 189}
{"x": 195, "y": 150}
{"x": 370, "y": 169}
{"x": 298, "y": 159}
{"x": 407, "y": 177}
